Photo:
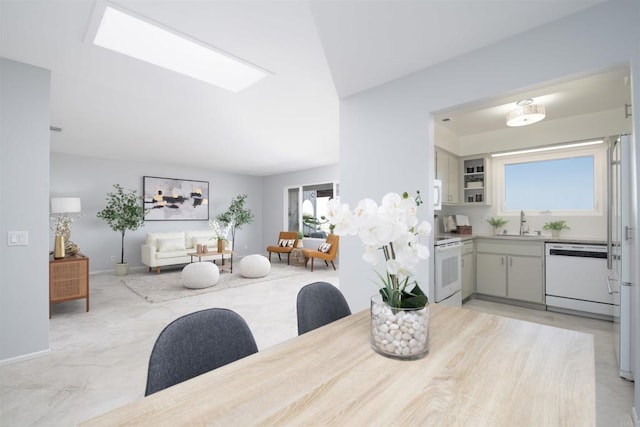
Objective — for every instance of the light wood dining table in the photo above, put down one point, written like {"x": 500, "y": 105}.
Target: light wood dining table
{"x": 481, "y": 370}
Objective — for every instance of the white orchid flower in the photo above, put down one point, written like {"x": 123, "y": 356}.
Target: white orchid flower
{"x": 391, "y": 228}
{"x": 424, "y": 229}
{"x": 371, "y": 254}
{"x": 393, "y": 266}
{"x": 341, "y": 217}
{"x": 375, "y": 231}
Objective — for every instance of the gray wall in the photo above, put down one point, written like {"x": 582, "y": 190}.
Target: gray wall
{"x": 273, "y": 197}
{"x": 91, "y": 178}
{"x": 386, "y": 134}
{"x": 24, "y": 198}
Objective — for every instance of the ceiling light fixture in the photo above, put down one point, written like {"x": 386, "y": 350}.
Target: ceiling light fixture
{"x": 527, "y": 113}
{"x": 549, "y": 148}
{"x": 148, "y": 42}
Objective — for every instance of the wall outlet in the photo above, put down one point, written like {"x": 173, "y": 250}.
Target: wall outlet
{"x": 113, "y": 258}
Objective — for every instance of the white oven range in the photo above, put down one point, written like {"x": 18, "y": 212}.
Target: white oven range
{"x": 448, "y": 271}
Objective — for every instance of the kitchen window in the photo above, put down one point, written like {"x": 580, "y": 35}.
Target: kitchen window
{"x": 568, "y": 183}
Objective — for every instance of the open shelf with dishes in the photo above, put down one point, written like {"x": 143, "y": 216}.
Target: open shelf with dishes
{"x": 475, "y": 181}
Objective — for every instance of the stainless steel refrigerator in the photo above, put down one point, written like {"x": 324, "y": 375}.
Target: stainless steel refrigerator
{"x": 621, "y": 253}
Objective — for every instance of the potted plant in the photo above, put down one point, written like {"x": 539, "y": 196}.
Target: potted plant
{"x": 391, "y": 229}
{"x": 236, "y": 216}
{"x": 497, "y": 223}
{"x": 123, "y": 212}
{"x": 221, "y": 236}
{"x": 556, "y": 227}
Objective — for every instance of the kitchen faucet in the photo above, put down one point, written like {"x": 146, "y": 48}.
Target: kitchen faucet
{"x": 523, "y": 220}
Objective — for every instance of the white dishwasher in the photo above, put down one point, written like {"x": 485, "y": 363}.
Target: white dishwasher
{"x": 576, "y": 276}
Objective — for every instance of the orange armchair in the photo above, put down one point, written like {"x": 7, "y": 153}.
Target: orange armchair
{"x": 284, "y": 245}
{"x": 328, "y": 255}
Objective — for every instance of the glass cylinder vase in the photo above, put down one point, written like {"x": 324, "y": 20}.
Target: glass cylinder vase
{"x": 401, "y": 333}
{"x": 221, "y": 245}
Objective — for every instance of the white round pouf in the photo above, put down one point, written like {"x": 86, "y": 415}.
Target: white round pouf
{"x": 200, "y": 275}
{"x": 254, "y": 266}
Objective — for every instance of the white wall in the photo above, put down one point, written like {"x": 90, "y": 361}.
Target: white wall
{"x": 24, "y": 198}
{"x": 91, "y": 178}
{"x": 387, "y": 136}
{"x": 273, "y": 197}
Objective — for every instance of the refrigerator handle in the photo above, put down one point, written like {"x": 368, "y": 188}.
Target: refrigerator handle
{"x": 628, "y": 233}
{"x": 609, "y": 210}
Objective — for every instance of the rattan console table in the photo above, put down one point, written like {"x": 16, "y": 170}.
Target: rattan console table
{"x": 68, "y": 279}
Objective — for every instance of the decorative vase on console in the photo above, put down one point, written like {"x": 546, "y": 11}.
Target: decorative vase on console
{"x": 58, "y": 247}
{"x": 64, "y": 211}
{"x": 400, "y": 312}
{"x": 220, "y": 234}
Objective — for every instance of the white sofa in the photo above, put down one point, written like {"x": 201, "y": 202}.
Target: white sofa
{"x": 171, "y": 248}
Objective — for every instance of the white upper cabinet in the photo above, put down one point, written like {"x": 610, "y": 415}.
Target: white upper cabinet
{"x": 448, "y": 171}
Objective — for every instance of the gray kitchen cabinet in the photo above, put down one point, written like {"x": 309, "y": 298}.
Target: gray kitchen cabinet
{"x": 491, "y": 274}
{"x": 468, "y": 270}
{"x": 448, "y": 171}
{"x": 525, "y": 278}
{"x": 511, "y": 269}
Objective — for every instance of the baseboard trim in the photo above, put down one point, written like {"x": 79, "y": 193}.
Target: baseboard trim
{"x": 525, "y": 304}
{"x": 24, "y": 357}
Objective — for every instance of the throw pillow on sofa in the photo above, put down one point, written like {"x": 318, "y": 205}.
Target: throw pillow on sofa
{"x": 152, "y": 238}
{"x": 171, "y": 245}
{"x": 203, "y": 241}
{"x": 195, "y": 237}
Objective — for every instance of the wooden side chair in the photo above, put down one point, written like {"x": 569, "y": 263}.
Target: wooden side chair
{"x": 287, "y": 240}
{"x": 326, "y": 252}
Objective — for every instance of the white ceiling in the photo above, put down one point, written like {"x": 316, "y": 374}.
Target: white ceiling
{"x": 603, "y": 91}
{"x": 115, "y": 107}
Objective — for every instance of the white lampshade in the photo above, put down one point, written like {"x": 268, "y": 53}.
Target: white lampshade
{"x": 65, "y": 205}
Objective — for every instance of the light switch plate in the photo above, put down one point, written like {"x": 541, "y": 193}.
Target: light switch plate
{"x": 17, "y": 238}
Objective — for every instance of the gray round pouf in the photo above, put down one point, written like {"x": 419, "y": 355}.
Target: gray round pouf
{"x": 200, "y": 275}
{"x": 253, "y": 266}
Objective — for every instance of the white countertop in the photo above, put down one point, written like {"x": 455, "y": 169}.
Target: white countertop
{"x": 533, "y": 238}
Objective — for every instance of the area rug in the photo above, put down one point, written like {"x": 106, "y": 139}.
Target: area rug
{"x": 155, "y": 288}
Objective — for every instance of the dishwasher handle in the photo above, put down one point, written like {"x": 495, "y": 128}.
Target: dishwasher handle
{"x": 578, "y": 253}
{"x": 609, "y": 289}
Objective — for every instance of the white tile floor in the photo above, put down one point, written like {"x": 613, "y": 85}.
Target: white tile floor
{"x": 98, "y": 360}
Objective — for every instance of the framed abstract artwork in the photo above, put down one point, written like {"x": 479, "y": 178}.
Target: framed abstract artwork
{"x": 170, "y": 199}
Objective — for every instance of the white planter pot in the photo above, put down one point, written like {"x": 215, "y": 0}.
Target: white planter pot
{"x": 122, "y": 269}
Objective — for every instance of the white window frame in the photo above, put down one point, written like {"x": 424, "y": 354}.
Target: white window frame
{"x": 285, "y": 198}
{"x": 599, "y": 183}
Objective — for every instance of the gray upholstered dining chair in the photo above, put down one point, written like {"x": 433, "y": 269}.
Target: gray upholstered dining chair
{"x": 319, "y": 303}
{"x": 197, "y": 343}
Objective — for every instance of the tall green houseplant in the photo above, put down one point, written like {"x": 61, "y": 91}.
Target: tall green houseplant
{"x": 123, "y": 212}
{"x": 237, "y": 215}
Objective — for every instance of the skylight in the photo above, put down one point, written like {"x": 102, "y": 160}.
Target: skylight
{"x": 134, "y": 37}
